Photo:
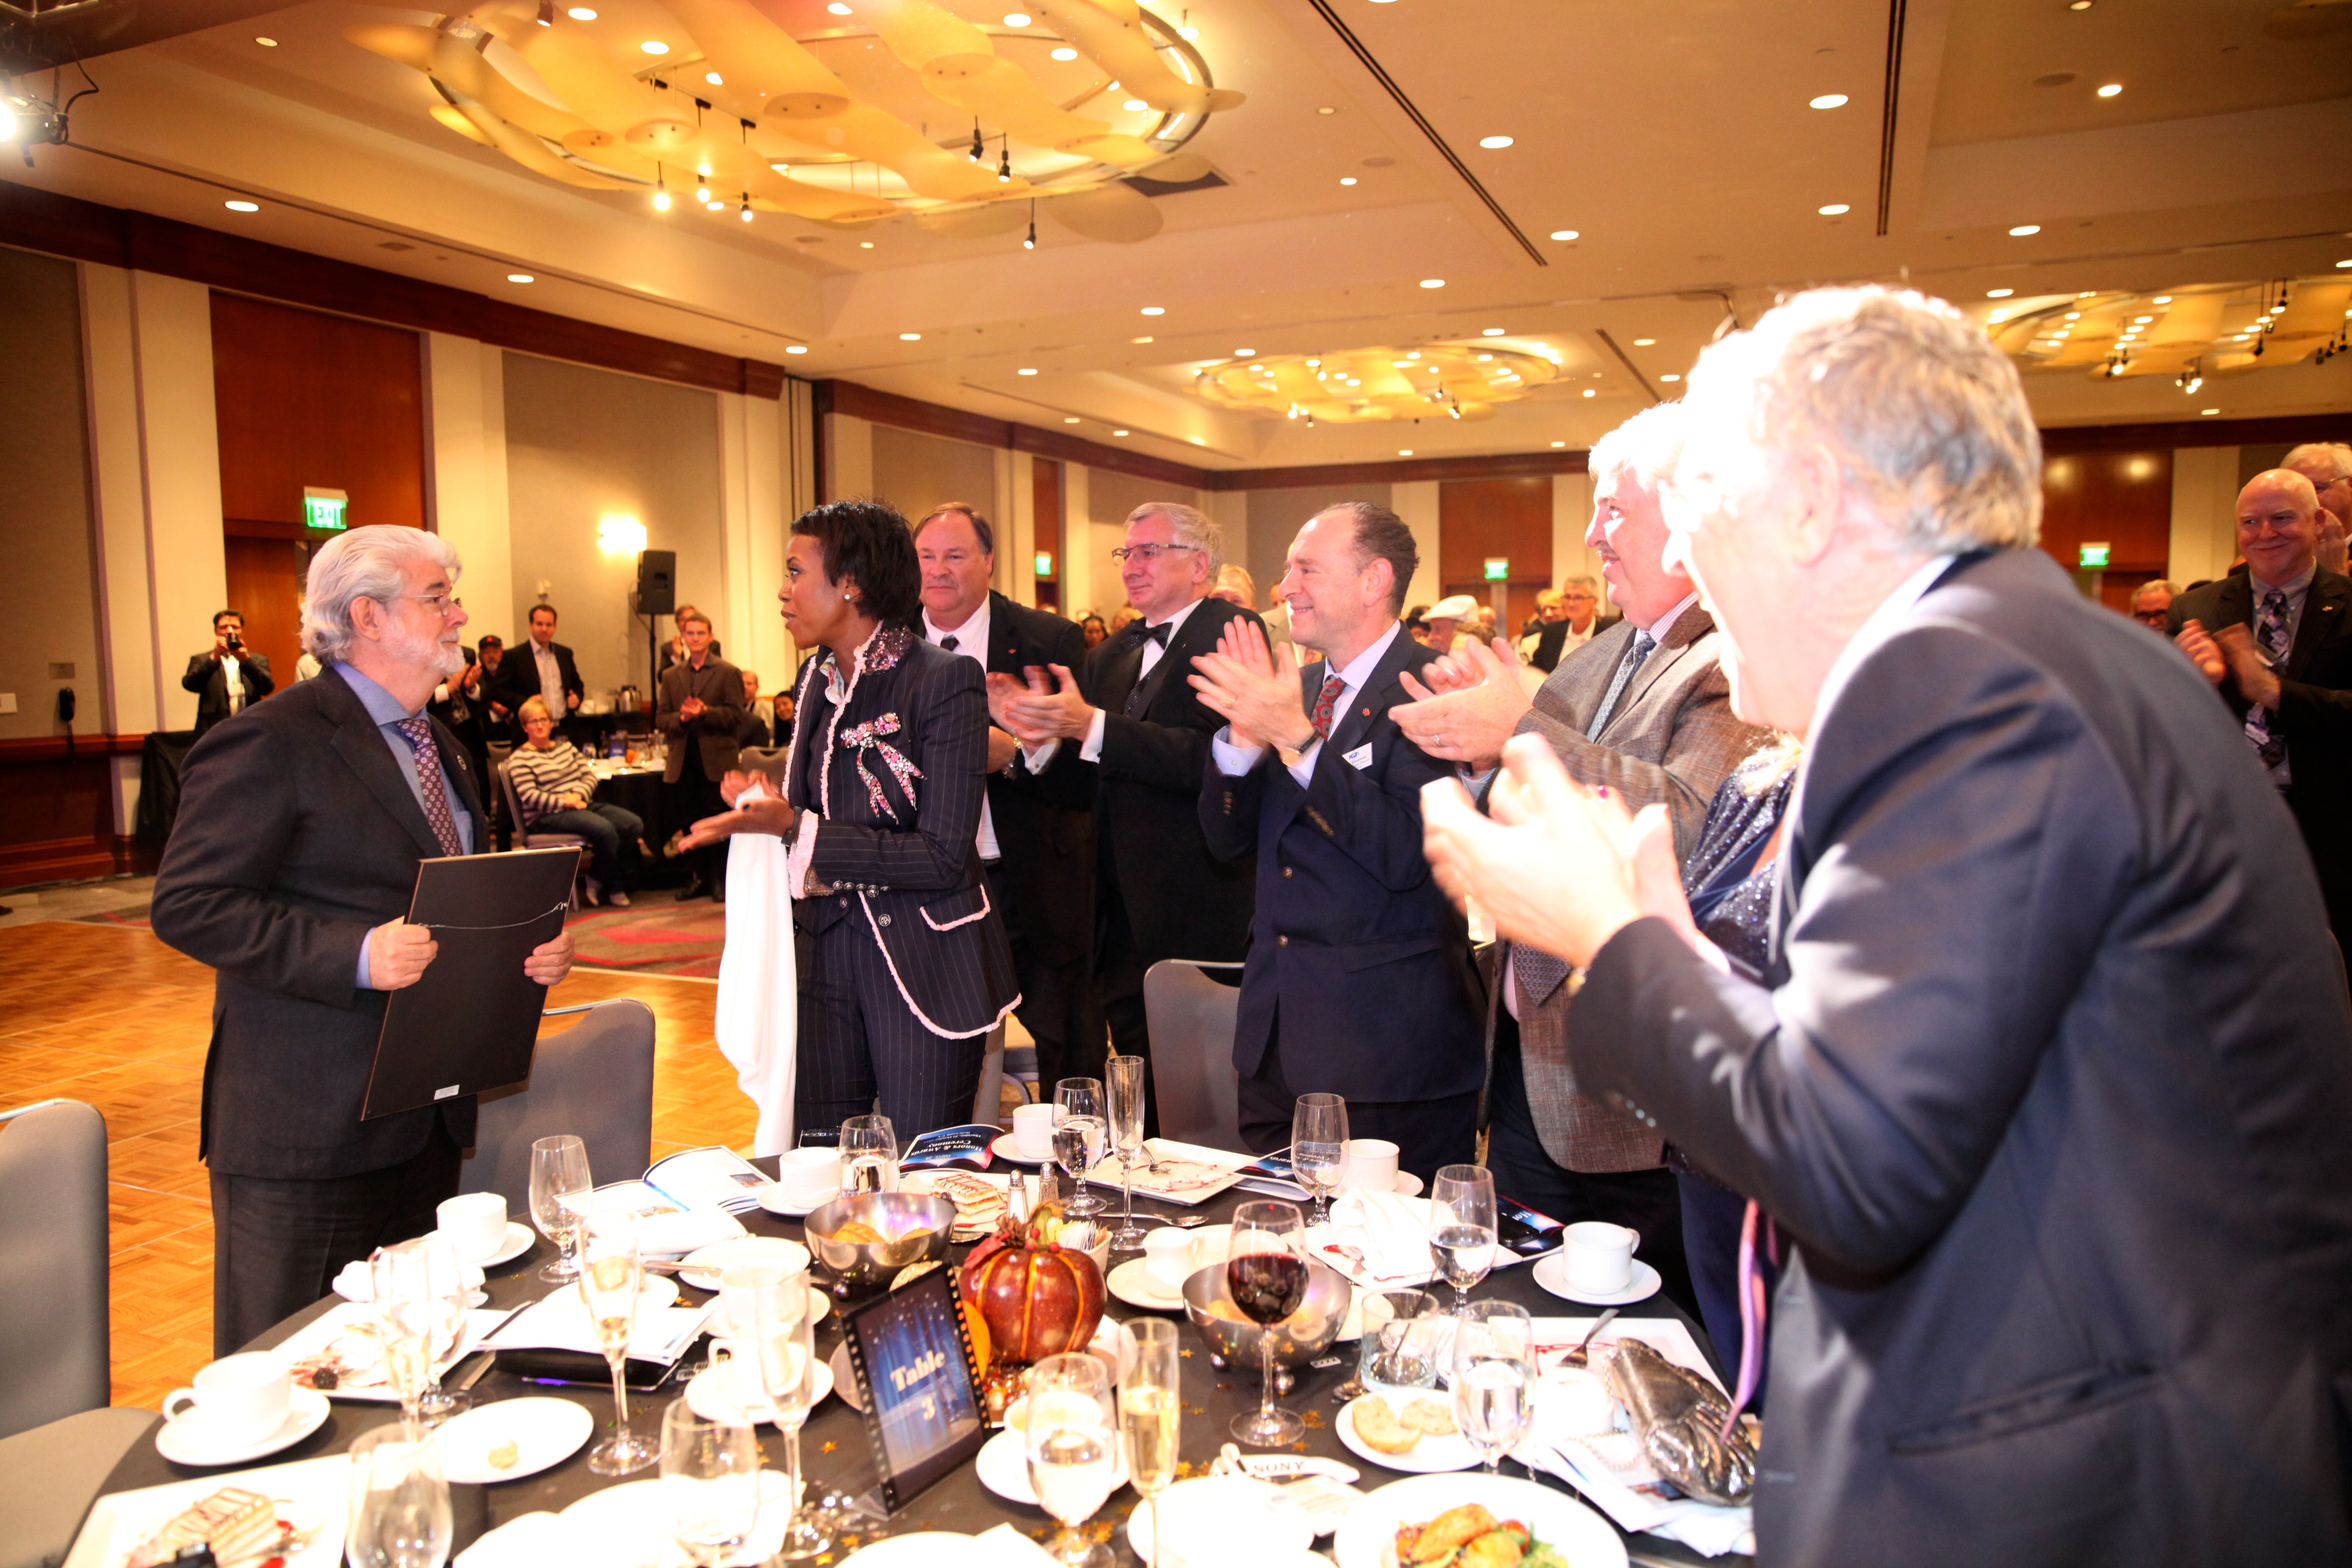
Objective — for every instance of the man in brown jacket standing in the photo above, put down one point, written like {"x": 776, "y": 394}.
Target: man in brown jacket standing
{"x": 701, "y": 709}
{"x": 1645, "y": 709}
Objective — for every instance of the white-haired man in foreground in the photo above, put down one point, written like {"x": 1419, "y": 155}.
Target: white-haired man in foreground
{"x": 2069, "y": 1270}
{"x": 301, "y": 823}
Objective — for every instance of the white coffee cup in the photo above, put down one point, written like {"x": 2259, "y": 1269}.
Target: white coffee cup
{"x": 236, "y": 1399}
{"x": 1371, "y": 1166}
{"x": 475, "y": 1222}
{"x": 735, "y": 1288}
{"x": 809, "y": 1175}
{"x": 1033, "y": 1129}
{"x": 1168, "y": 1258}
{"x": 1600, "y": 1256}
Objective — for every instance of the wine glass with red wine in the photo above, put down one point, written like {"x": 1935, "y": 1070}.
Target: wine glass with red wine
{"x": 1266, "y": 1273}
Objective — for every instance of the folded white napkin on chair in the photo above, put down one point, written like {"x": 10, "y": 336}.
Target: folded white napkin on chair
{"x": 759, "y": 990}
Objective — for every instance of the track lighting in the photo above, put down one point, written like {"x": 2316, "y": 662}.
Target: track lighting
{"x": 1029, "y": 241}
{"x": 1004, "y": 162}
{"x": 661, "y": 190}
{"x": 547, "y": 13}
{"x": 978, "y": 148}
{"x": 744, "y": 211}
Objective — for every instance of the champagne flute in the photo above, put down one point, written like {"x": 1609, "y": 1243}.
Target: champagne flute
{"x": 1462, "y": 1227}
{"x": 710, "y": 1479}
{"x": 869, "y": 1155}
{"x": 1318, "y": 1149}
{"x": 1073, "y": 1450}
{"x": 1150, "y": 1418}
{"x": 1266, "y": 1274}
{"x": 1494, "y": 1376}
{"x": 445, "y": 1281}
{"x": 559, "y": 1193}
{"x": 1078, "y": 1105}
{"x": 398, "y": 1502}
{"x": 783, "y": 1346}
{"x": 611, "y": 1280}
{"x": 400, "y": 1281}
{"x": 1127, "y": 1099}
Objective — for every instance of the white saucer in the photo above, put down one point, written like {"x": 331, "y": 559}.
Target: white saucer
{"x": 1428, "y": 1457}
{"x": 544, "y": 1432}
{"x": 629, "y": 1525}
{"x": 702, "y": 1267}
{"x": 1133, "y": 1285}
{"x": 776, "y": 1201}
{"x": 1002, "y": 1466}
{"x": 519, "y": 1239}
{"x": 1221, "y": 1519}
{"x": 1004, "y": 1148}
{"x": 306, "y": 1412}
{"x": 706, "y": 1398}
{"x": 1551, "y": 1272}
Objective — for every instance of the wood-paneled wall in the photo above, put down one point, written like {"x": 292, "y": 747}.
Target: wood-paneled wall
{"x": 1481, "y": 518}
{"x": 304, "y": 398}
{"x": 2122, "y": 499}
{"x": 1045, "y": 509}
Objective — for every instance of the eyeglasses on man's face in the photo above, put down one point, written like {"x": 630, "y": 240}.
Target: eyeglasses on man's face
{"x": 442, "y": 603}
{"x": 1148, "y": 555}
{"x": 2155, "y": 619}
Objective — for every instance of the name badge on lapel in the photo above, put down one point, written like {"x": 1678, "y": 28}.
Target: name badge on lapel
{"x": 1360, "y": 758}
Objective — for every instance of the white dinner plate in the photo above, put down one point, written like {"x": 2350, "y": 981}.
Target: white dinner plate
{"x": 1004, "y": 1148}
{"x": 703, "y": 1266}
{"x": 1366, "y": 1537}
{"x": 185, "y": 1443}
{"x": 1002, "y": 1466}
{"x": 629, "y": 1526}
{"x": 1428, "y": 1457}
{"x": 1133, "y": 1284}
{"x": 1551, "y": 1273}
{"x": 709, "y": 1396}
{"x": 544, "y": 1432}
{"x": 1222, "y": 1519}
{"x": 519, "y": 1239}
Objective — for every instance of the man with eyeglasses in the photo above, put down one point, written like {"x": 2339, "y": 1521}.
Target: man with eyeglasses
{"x": 2328, "y": 466}
{"x": 1565, "y": 621}
{"x": 2151, "y": 605}
{"x": 1135, "y": 717}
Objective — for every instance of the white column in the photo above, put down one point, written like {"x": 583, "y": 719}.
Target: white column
{"x": 1571, "y": 511}
{"x": 466, "y": 474}
{"x": 1016, "y": 528}
{"x": 1229, "y": 510}
{"x": 751, "y": 535}
{"x": 2204, "y": 514}
{"x": 1415, "y": 501}
{"x": 1077, "y": 546}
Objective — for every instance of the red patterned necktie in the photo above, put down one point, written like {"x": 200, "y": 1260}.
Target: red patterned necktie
{"x": 1321, "y": 716}
{"x": 429, "y": 787}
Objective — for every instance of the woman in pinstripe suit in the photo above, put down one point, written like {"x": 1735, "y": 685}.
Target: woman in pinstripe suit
{"x": 904, "y": 966}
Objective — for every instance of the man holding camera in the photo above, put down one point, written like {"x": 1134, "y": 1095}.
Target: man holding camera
{"x": 227, "y": 676}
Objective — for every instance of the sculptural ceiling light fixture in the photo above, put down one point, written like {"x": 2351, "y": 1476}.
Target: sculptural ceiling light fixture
{"x": 2190, "y": 334}
{"x": 841, "y": 115}
{"x": 1440, "y": 380}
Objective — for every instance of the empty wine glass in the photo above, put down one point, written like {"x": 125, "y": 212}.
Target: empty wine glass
{"x": 1494, "y": 1377}
{"x": 1081, "y": 1131}
{"x": 1266, "y": 1276}
{"x": 783, "y": 1345}
{"x": 559, "y": 1186}
{"x": 398, "y": 1504}
{"x": 1151, "y": 1413}
{"x": 711, "y": 1481}
{"x": 448, "y": 1293}
{"x": 401, "y": 1285}
{"x": 1127, "y": 1099}
{"x": 1462, "y": 1227}
{"x": 869, "y": 1155}
{"x": 1073, "y": 1449}
{"x": 1318, "y": 1149}
{"x": 611, "y": 1280}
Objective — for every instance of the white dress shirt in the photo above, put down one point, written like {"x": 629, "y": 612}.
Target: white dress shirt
{"x": 1090, "y": 749}
{"x": 233, "y": 681}
{"x": 1233, "y": 760}
{"x": 550, "y": 678}
{"x": 971, "y": 642}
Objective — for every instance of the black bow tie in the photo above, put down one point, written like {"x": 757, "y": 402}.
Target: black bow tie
{"x": 1158, "y": 634}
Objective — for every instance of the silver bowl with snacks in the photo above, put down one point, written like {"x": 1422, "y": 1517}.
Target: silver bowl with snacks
{"x": 863, "y": 1241}
{"x": 1298, "y": 1338}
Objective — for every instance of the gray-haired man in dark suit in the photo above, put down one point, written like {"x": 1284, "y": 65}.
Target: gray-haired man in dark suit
{"x": 290, "y": 869}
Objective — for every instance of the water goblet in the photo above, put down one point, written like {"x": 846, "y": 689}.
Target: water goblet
{"x": 1318, "y": 1149}
{"x": 559, "y": 1186}
{"x": 1462, "y": 1234}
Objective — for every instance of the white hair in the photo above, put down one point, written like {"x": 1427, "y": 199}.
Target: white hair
{"x": 369, "y": 563}
{"x": 2335, "y": 456}
{"x": 1925, "y": 417}
{"x": 1647, "y": 446}
{"x": 1187, "y": 526}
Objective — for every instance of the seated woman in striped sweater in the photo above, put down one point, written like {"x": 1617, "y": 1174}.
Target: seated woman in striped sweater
{"x": 555, "y": 785}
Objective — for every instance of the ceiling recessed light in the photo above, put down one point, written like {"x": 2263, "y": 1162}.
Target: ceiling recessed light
{"x": 242, "y": 206}
{"x": 1347, "y": 179}
{"x": 1835, "y": 209}
{"x": 2112, "y": 89}
{"x": 1492, "y": 332}
{"x": 1829, "y": 100}
{"x": 1066, "y": 54}
{"x": 1118, "y": 432}
{"x": 581, "y": 14}
{"x": 2021, "y": 230}
{"x": 1016, "y": 18}
{"x": 2161, "y": 299}
{"x": 2078, "y": 4}
{"x": 1482, "y": 359}
{"x": 1495, "y": 143}
{"x": 1999, "y": 293}
{"x": 1404, "y": 451}
{"x": 1069, "y": 419}
{"x": 1135, "y": 106}
{"x": 1024, "y": 369}
{"x": 837, "y": 8}
{"x": 654, "y": 47}
{"x": 2142, "y": 321}
{"x": 797, "y": 348}
{"x": 520, "y": 278}
{"x": 1326, "y": 109}
{"x": 267, "y": 43}
{"x": 714, "y": 78}
{"x": 1590, "y": 393}
{"x": 1432, "y": 282}
{"x": 1644, "y": 342}
{"x": 911, "y": 337}
{"x": 2346, "y": 262}
{"x": 1563, "y": 233}
{"x": 864, "y": 245}
{"x": 1670, "y": 377}
{"x": 1155, "y": 310}
{"x": 1560, "y": 443}
{"x": 1244, "y": 353}
{"x": 2208, "y": 411}
{"x": 1145, "y": 339}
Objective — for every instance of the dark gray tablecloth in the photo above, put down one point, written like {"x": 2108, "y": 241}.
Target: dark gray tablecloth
{"x": 835, "y": 1451}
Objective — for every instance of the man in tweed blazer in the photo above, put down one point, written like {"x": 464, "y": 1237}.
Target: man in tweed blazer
{"x": 1644, "y": 710}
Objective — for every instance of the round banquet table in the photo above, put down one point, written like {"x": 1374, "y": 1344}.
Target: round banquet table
{"x": 836, "y": 1457}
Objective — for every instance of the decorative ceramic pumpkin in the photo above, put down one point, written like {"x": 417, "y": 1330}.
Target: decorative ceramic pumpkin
{"x": 1036, "y": 1298}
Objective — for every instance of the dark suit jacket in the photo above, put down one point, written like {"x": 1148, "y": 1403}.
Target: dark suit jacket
{"x": 2050, "y": 1087}
{"x": 1353, "y": 947}
{"x": 297, "y": 835}
{"x": 210, "y": 683}
{"x": 517, "y": 678}
{"x": 910, "y": 872}
{"x": 1044, "y": 823}
{"x": 1181, "y": 902}
{"x": 2314, "y": 716}
{"x": 720, "y": 685}
{"x": 1554, "y": 641}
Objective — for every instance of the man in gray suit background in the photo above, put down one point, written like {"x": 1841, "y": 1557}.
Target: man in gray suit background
{"x": 1643, "y": 709}
{"x": 289, "y": 870}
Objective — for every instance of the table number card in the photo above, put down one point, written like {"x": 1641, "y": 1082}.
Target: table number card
{"x": 913, "y": 1361}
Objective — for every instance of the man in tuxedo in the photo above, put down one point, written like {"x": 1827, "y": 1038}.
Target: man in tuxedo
{"x": 1036, "y": 830}
{"x": 701, "y": 711}
{"x": 2275, "y": 640}
{"x": 1137, "y": 722}
{"x": 1354, "y": 951}
{"x": 541, "y": 667}
{"x": 228, "y": 676}
{"x": 289, "y": 870}
{"x": 1643, "y": 709}
{"x": 2328, "y": 466}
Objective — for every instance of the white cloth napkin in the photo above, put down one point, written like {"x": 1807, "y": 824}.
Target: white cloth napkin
{"x": 357, "y": 1281}
{"x": 525, "y": 1541}
{"x": 1005, "y": 1547}
{"x": 1392, "y": 1234}
{"x": 759, "y": 993}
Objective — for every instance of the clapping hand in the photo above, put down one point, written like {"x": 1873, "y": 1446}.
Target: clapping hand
{"x": 2258, "y": 683}
{"x": 2203, "y": 651}
{"x": 1042, "y": 713}
{"x": 1472, "y": 703}
{"x": 1254, "y": 690}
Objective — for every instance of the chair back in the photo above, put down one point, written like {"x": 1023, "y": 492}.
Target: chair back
{"x": 595, "y": 1079}
{"x": 768, "y": 759}
{"x": 1191, "y": 1019}
{"x": 511, "y": 795}
{"x": 55, "y": 1334}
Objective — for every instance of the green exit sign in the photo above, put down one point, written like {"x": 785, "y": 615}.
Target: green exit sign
{"x": 323, "y": 508}
{"x": 1498, "y": 568}
{"x": 1044, "y": 563}
{"x": 2094, "y": 558}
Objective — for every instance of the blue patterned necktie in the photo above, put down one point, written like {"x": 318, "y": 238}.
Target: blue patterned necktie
{"x": 1636, "y": 653}
{"x": 2269, "y": 635}
{"x": 434, "y": 797}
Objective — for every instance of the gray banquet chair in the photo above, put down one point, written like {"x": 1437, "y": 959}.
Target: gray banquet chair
{"x": 59, "y": 1439}
{"x": 594, "y": 1079}
{"x": 525, "y": 838}
{"x": 1190, "y": 1017}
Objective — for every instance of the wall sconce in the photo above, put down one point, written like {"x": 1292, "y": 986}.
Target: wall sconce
{"x": 618, "y": 533}
{"x": 1044, "y": 563}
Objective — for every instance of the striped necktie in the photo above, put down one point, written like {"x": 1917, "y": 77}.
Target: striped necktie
{"x": 1636, "y": 653}
{"x": 2270, "y": 632}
